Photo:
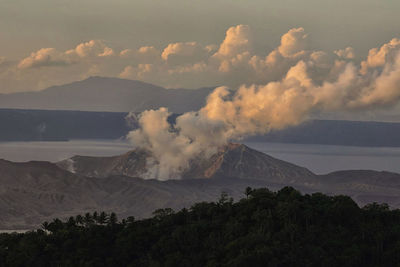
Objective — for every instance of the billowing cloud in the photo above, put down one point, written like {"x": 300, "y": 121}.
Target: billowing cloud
{"x": 44, "y": 57}
{"x": 139, "y": 72}
{"x": 237, "y": 40}
{"x": 93, "y": 48}
{"x": 378, "y": 57}
{"x": 277, "y": 89}
{"x": 145, "y": 54}
{"x": 42, "y": 68}
{"x": 231, "y": 114}
{"x": 48, "y": 57}
{"x": 347, "y": 53}
{"x": 293, "y": 43}
{"x": 184, "y": 53}
{"x": 235, "y": 50}
{"x": 233, "y": 62}
{"x": 182, "y": 64}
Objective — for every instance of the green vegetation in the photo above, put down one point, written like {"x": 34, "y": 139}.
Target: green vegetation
{"x": 263, "y": 229}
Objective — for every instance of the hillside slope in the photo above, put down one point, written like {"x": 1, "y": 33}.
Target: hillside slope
{"x": 233, "y": 161}
{"x": 107, "y": 94}
{"x": 33, "y": 192}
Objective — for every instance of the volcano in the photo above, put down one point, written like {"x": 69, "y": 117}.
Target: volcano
{"x": 231, "y": 161}
{"x": 33, "y": 192}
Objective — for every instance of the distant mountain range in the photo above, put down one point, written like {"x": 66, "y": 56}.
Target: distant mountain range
{"x": 56, "y": 125}
{"x": 107, "y": 94}
{"x": 337, "y": 132}
{"x": 32, "y": 192}
{"x": 57, "y": 113}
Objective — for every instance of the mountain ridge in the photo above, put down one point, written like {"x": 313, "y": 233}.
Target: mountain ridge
{"x": 57, "y": 125}
{"x": 107, "y": 94}
{"x": 37, "y": 191}
{"x": 232, "y": 160}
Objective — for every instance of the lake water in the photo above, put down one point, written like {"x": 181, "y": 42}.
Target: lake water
{"x": 56, "y": 151}
{"x": 318, "y": 158}
{"x": 327, "y": 158}
{"x": 13, "y": 231}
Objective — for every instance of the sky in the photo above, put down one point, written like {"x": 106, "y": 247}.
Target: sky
{"x": 26, "y": 26}
{"x": 274, "y": 63}
{"x": 47, "y": 32}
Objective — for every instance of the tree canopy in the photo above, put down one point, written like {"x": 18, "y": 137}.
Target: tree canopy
{"x": 265, "y": 228}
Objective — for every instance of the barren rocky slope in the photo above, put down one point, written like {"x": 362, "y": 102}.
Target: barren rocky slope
{"x": 33, "y": 192}
{"x": 231, "y": 161}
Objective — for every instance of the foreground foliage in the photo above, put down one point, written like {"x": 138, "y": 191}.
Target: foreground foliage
{"x": 263, "y": 229}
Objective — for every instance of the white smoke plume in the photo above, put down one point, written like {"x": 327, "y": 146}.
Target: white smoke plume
{"x": 256, "y": 109}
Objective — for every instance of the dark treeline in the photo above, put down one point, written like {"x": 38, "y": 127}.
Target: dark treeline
{"x": 265, "y": 228}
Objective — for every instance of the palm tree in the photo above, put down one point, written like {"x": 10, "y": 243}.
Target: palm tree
{"x": 112, "y": 220}
{"x": 102, "y": 218}
{"x": 79, "y": 219}
{"x": 71, "y": 221}
{"x": 88, "y": 219}
{"x": 248, "y": 191}
{"x": 45, "y": 226}
{"x": 130, "y": 219}
{"x": 95, "y": 217}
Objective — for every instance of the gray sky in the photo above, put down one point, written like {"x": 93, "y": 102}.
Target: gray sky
{"x": 27, "y": 25}
{"x": 185, "y": 43}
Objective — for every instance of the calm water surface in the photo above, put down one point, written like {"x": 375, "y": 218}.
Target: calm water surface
{"x": 325, "y": 158}
{"x": 318, "y": 158}
{"x": 56, "y": 151}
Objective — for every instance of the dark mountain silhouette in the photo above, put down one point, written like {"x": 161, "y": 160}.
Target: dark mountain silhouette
{"x": 50, "y": 125}
{"x": 107, "y": 94}
{"x": 56, "y": 125}
{"x": 337, "y": 132}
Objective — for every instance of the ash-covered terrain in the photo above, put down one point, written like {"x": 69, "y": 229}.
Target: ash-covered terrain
{"x": 33, "y": 192}
{"x": 231, "y": 161}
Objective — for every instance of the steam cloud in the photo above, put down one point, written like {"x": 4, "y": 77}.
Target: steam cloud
{"x": 262, "y": 93}
{"x": 313, "y": 81}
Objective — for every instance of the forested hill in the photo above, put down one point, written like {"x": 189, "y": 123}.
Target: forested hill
{"x": 263, "y": 229}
